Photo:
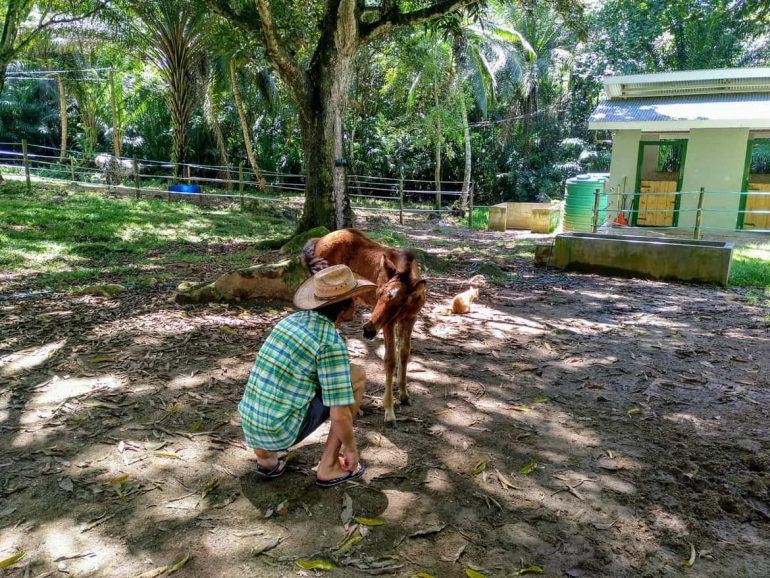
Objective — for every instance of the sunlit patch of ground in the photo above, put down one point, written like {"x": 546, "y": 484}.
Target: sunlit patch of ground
{"x": 591, "y": 426}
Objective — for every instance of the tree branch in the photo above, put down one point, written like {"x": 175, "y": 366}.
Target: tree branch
{"x": 288, "y": 69}
{"x": 54, "y": 21}
{"x": 393, "y": 18}
{"x": 247, "y": 19}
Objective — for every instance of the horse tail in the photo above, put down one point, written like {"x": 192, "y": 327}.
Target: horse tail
{"x": 309, "y": 259}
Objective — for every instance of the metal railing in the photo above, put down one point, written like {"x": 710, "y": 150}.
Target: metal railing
{"x": 698, "y": 204}
{"x": 142, "y": 177}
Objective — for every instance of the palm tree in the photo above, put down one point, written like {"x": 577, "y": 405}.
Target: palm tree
{"x": 175, "y": 40}
{"x": 481, "y": 48}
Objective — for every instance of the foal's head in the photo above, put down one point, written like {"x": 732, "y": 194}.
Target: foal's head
{"x": 400, "y": 293}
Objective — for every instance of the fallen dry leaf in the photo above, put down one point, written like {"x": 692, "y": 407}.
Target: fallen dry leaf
{"x": 370, "y": 521}
{"x": 479, "y": 467}
{"x": 315, "y": 565}
{"x": 12, "y": 560}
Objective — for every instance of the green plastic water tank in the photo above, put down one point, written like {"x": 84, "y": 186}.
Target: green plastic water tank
{"x": 579, "y": 202}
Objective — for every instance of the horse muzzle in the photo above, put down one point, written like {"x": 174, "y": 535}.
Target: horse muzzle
{"x": 370, "y": 331}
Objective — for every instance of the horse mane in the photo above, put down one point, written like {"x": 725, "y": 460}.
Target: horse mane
{"x": 309, "y": 259}
{"x": 407, "y": 265}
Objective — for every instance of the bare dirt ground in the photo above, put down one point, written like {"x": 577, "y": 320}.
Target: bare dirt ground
{"x": 586, "y": 425}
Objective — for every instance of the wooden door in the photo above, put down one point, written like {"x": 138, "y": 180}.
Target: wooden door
{"x": 657, "y": 202}
{"x": 757, "y": 203}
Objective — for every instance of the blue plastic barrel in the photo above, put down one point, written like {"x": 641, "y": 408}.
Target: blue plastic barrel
{"x": 185, "y": 189}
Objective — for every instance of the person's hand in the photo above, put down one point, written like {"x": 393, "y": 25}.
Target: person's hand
{"x": 350, "y": 459}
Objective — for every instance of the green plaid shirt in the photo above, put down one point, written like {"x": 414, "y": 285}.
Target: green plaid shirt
{"x": 302, "y": 354}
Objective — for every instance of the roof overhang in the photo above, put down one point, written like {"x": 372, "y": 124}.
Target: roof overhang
{"x": 681, "y": 113}
{"x": 690, "y": 82}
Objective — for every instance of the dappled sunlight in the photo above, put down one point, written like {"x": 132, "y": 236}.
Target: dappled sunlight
{"x": 568, "y": 421}
{"x": 381, "y": 455}
{"x": 699, "y": 424}
{"x": 63, "y": 541}
{"x": 400, "y": 505}
{"x": 59, "y": 390}
{"x": 29, "y": 358}
{"x": 43, "y": 410}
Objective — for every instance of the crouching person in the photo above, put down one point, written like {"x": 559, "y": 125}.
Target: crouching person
{"x": 302, "y": 376}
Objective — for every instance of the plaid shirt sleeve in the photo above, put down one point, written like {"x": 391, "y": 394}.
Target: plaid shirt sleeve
{"x": 334, "y": 375}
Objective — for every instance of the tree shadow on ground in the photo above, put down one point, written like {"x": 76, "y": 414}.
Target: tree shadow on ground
{"x": 544, "y": 371}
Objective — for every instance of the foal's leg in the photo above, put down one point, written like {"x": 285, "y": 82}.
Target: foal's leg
{"x": 404, "y": 351}
{"x": 389, "y": 333}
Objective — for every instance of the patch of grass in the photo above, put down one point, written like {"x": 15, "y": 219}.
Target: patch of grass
{"x": 60, "y": 240}
{"x": 388, "y": 237}
{"x": 480, "y": 218}
{"x": 751, "y": 266}
{"x": 431, "y": 263}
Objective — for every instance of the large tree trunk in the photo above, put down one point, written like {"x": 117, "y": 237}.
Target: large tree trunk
{"x": 62, "y": 117}
{"x": 326, "y": 197}
{"x": 326, "y": 201}
{"x": 244, "y": 125}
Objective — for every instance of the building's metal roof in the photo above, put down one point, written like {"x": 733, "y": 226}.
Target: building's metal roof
{"x": 743, "y": 110}
{"x": 689, "y": 75}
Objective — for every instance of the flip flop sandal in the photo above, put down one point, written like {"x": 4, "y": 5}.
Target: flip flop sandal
{"x": 342, "y": 479}
{"x": 278, "y": 470}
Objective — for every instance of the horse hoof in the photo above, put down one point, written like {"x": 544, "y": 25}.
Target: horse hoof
{"x": 390, "y": 418}
{"x": 390, "y": 423}
{"x": 405, "y": 400}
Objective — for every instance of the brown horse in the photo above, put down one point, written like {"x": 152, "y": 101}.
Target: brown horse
{"x": 400, "y": 295}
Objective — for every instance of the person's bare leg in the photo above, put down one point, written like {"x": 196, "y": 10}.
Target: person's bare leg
{"x": 330, "y": 466}
{"x": 267, "y": 460}
{"x": 358, "y": 380}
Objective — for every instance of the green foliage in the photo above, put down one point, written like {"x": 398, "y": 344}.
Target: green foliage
{"x": 659, "y": 35}
{"x": 527, "y": 72}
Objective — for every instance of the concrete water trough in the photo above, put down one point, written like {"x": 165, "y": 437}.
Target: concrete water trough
{"x": 648, "y": 257}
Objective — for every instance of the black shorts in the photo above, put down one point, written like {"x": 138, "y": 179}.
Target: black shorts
{"x": 317, "y": 413}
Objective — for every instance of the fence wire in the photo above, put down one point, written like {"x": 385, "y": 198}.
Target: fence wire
{"x": 143, "y": 177}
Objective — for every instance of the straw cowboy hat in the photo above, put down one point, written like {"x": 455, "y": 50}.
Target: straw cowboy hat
{"x": 330, "y": 285}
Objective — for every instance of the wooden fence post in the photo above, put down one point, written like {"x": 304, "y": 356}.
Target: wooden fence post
{"x": 698, "y": 215}
{"x": 401, "y": 200}
{"x": 595, "y": 218}
{"x": 136, "y": 179}
{"x": 240, "y": 182}
{"x": 72, "y": 168}
{"x": 470, "y": 207}
{"x": 26, "y": 164}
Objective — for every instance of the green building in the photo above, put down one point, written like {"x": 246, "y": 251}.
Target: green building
{"x": 674, "y": 133}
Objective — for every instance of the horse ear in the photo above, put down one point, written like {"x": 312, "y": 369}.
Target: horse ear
{"x": 388, "y": 266}
{"x": 419, "y": 287}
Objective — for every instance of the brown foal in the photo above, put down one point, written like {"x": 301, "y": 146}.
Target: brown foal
{"x": 400, "y": 296}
